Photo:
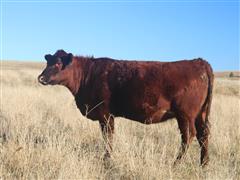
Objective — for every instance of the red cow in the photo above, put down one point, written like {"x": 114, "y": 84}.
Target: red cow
{"x": 147, "y": 92}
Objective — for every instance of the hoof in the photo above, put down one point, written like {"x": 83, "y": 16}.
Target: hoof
{"x": 176, "y": 163}
{"x": 106, "y": 156}
{"x": 107, "y": 161}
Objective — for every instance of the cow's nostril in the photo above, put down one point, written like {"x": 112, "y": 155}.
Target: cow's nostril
{"x": 40, "y": 78}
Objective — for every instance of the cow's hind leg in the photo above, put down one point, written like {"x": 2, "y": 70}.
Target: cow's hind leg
{"x": 202, "y": 127}
{"x": 188, "y": 132}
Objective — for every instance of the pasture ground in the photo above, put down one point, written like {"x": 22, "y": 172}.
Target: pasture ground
{"x": 43, "y": 136}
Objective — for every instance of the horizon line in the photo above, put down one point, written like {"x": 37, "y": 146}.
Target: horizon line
{"x": 43, "y": 61}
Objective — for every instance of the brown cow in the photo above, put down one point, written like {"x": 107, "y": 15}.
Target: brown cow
{"x": 147, "y": 92}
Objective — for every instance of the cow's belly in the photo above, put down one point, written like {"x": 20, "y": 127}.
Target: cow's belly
{"x": 157, "y": 117}
{"x": 143, "y": 111}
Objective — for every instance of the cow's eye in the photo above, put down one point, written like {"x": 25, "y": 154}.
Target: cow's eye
{"x": 57, "y": 64}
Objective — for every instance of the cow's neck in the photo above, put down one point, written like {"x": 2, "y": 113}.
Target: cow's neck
{"x": 79, "y": 74}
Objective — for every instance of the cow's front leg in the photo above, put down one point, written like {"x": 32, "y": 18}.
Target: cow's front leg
{"x": 107, "y": 127}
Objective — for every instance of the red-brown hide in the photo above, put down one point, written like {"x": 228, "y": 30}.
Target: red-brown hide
{"x": 147, "y": 92}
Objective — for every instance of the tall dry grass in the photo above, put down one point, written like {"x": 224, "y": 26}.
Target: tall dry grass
{"x": 43, "y": 136}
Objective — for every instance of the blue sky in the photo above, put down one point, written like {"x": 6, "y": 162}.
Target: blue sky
{"x": 165, "y": 31}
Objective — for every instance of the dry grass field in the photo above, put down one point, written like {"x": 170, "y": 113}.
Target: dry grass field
{"x": 44, "y": 136}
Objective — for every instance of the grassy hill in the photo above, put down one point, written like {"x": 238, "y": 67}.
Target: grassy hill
{"x": 44, "y": 136}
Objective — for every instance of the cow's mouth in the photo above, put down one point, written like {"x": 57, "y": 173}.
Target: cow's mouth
{"x": 44, "y": 83}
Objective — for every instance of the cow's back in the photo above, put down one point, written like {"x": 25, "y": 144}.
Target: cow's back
{"x": 138, "y": 89}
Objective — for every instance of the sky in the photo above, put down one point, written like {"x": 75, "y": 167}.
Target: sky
{"x": 131, "y": 30}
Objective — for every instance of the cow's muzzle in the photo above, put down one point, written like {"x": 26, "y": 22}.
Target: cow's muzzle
{"x": 42, "y": 80}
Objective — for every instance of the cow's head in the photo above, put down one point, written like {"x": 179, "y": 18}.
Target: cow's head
{"x": 56, "y": 71}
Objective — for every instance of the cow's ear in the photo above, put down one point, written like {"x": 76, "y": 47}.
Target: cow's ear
{"x": 70, "y": 56}
{"x": 67, "y": 59}
{"x": 48, "y": 56}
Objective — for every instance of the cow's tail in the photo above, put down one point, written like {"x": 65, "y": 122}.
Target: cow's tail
{"x": 208, "y": 101}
